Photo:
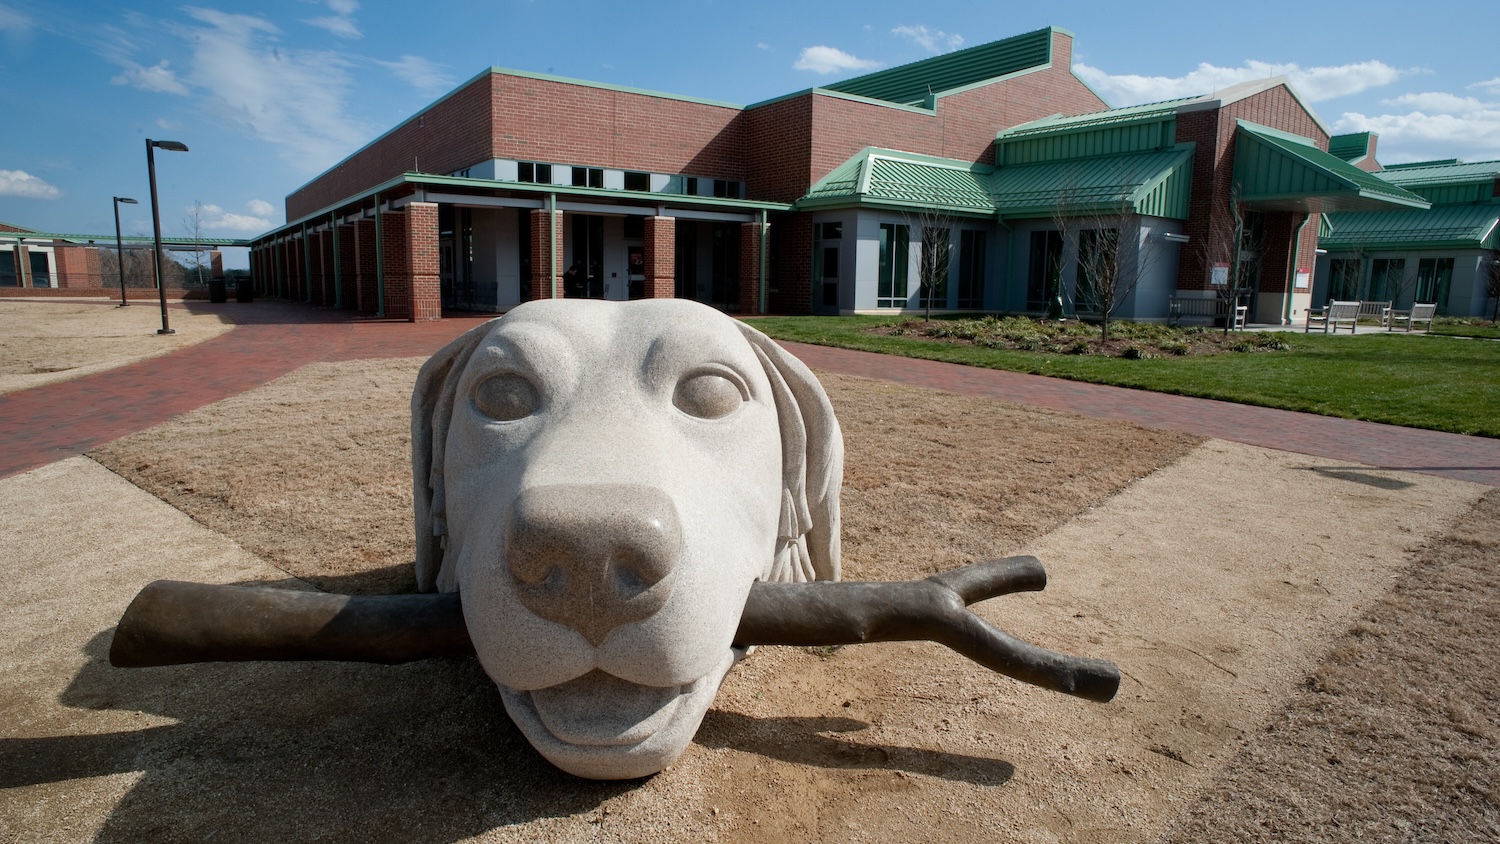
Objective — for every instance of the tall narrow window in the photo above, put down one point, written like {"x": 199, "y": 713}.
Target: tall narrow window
{"x": 1098, "y": 269}
{"x": 1044, "y": 270}
{"x": 935, "y": 248}
{"x": 1343, "y": 278}
{"x": 894, "y": 249}
{"x": 971, "y": 258}
{"x": 1386, "y": 279}
{"x": 1434, "y": 277}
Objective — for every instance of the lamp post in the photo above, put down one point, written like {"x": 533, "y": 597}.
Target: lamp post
{"x": 161, "y": 290}
{"x": 120, "y": 246}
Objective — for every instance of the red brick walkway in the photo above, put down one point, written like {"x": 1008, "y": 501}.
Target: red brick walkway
{"x": 1474, "y": 459}
{"x": 49, "y": 423}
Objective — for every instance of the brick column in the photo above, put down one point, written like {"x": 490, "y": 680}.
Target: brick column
{"x": 750, "y": 268}
{"x": 661, "y": 257}
{"x": 323, "y": 267}
{"x": 216, "y": 263}
{"x": 543, "y": 281}
{"x": 393, "y": 254}
{"x": 365, "y": 290}
{"x": 423, "y": 262}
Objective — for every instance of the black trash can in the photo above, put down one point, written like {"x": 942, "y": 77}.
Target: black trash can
{"x": 216, "y": 291}
{"x": 243, "y": 292}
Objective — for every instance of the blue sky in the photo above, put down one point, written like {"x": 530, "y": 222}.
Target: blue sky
{"x": 268, "y": 95}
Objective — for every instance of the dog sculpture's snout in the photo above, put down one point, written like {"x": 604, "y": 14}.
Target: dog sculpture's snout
{"x": 593, "y": 556}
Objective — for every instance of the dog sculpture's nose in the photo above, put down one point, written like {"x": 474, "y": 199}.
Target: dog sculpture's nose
{"x": 593, "y": 556}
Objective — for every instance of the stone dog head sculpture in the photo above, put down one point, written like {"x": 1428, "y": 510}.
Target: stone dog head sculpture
{"x": 614, "y": 501}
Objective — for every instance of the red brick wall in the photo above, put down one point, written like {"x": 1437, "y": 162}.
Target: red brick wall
{"x": 345, "y": 279}
{"x": 543, "y": 278}
{"x": 791, "y": 264}
{"x": 661, "y": 257}
{"x": 504, "y": 116}
{"x": 749, "y": 268}
{"x": 780, "y": 147}
{"x": 1213, "y": 177}
{"x": 394, "y": 266}
{"x": 76, "y": 266}
{"x": 423, "y": 261}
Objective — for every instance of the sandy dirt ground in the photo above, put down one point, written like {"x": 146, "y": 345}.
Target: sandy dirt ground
{"x": 42, "y": 342}
{"x": 1226, "y": 581}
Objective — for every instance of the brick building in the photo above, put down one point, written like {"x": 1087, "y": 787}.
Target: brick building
{"x": 989, "y": 172}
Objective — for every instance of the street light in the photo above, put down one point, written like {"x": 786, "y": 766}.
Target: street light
{"x": 120, "y": 246}
{"x": 161, "y": 290}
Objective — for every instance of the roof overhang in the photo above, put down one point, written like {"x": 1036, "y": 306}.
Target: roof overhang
{"x": 1278, "y": 171}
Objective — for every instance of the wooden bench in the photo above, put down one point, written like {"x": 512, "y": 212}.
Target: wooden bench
{"x": 1204, "y": 308}
{"x": 1418, "y": 313}
{"x": 1378, "y": 311}
{"x": 1331, "y": 317}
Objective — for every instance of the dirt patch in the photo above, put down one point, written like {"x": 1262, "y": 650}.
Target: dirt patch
{"x": 313, "y": 473}
{"x": 1396, "y": 735}
{"x": 45, "y": 342}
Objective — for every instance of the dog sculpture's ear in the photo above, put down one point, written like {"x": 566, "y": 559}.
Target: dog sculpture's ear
{"x": 812, "y": 467}
{"x": 431, "y": 410}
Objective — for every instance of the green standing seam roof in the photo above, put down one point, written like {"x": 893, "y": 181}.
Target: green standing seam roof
{"x": 1129, "y": 114}
{"x": 1444, "y": 227}
{"x": 1277, "y": 172}
{"x": 1152, "y": 183}
{"x": 1448, "y": 173}
{"x": 1351, "y": 147}
{"x": 109, "y": 239}
{"x": 910, "y": 84}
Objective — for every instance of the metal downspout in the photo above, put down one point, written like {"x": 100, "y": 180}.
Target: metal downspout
{"x": 338, "y": 292}
{"x": 1291, "y": 287}
{"x": 379, "y": 264}
{"x": 765, "y": 231}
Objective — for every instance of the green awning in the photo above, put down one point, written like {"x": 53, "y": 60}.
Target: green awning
{"x": 1277, "y": 171}
{"x": 1443, "y": 227}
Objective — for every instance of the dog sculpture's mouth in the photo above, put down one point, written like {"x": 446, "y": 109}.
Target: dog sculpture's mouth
{"x": 637, "y": 730}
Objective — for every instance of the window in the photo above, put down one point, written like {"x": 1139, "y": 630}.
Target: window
{"x": 726, "y": 189}
{"x": 1343, "y": 278}
{"x": 830, "y": 231}
{"x": 894, "y": 250}
{"x": 971, "y": 247}
{"x": 1044, "y": 270}
{"x": 588, "y": 177}
{"x": 637, "y": 181}
{"x": 530, "y": 171}
{"x": 936, "y": 247}
{"x": 1434, "y": 276}
{"x": 692, "y": 186}
{"x": 8, "y": 275}
{"x": 1387, "y": 279}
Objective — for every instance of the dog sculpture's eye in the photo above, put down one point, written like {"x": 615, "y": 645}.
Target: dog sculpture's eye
{"x": 707, "y": 395}
{"x": 506, "y": 397}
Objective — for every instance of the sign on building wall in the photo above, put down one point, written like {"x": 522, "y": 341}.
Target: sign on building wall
{"x": 1219, "y": 274}
{"x": 1304, "y": 278}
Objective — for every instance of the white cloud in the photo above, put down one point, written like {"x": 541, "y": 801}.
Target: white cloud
{"x": 341, "y": 22}
{"x": 215, "y": 218}
{"x": 23, "y": 184}
{"x": 827, "y": 60}
{"x": 761, "y": 45}
{"x": 1432, "y": 124}
{"x": 1314, "y": 83}
{"x": 260, "y": 208}
{"x": 931, "y": 40}
{"x": 1491, "y": 86}
{"x": 291, "y": 98}
{"x": 421, "y": 74}
{"x": 169, "y": 125}
{"x": 14, "y": 21}
{"x": 159, "y": 78}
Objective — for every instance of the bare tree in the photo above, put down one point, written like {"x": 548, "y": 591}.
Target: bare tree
{"x": 934, "y": 226}
{"x": 198, "y": 261}
{"x": 1110, "y": 252}
{"x": 1492, "y": 284}
{"x": 138, "y": 270}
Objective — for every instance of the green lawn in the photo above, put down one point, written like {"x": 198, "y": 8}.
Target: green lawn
{"x": 1442, "y": 383}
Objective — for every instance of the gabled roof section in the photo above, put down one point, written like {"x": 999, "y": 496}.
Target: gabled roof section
{"x": 1449, "y": 172}
{"x": 1144, "y": 113}
{"x": 912, "y": 84}
{"x": 1444, "y": 227}
{"x": 1245, "y": 90}
{"x": 1278, "y": 171}
{"x": 1354, "y": 147}
{"x": 1153, "y": 183}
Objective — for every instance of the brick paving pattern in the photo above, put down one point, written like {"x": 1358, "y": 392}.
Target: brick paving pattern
{"x": 270, "y": 339}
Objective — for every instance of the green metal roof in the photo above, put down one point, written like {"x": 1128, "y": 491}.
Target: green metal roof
{"x": 1442, "y": 173}
{"x": 1351, "y": 147}
{"x": 1277, "y": 171}
{"x": 1153, "y": 183}
{"x": 911, "y": 84}
{"x": 1443, "y": 227}
{"x": 1128, "y": 114}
